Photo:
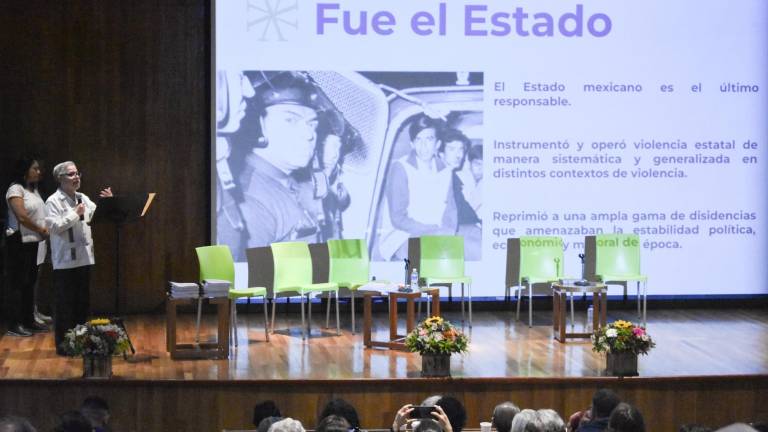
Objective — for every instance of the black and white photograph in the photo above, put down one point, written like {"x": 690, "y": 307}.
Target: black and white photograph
{"x": 317, "y": 155}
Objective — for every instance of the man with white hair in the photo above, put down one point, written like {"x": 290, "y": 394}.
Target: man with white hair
{"x": 287, "y": 425}
{"x": 68, "y": 218}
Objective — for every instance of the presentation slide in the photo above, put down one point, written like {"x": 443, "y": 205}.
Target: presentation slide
{"x": 493, "y": 119}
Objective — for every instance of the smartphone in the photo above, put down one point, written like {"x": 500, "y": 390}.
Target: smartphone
{"x": 422, "y": 412}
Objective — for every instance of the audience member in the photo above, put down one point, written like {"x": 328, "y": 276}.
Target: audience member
{"x": 266, "y": 423}
{"x": 737, "y": 427}
{"x": 596, "y": 419}
{"x": 525, "y": 421}
{"x": 333, "y": 423}
{"x": 694, "y": 428}
{"x": 265, "y": 409}
{"x": 428, "y": 425}
{"x": 96, "y": 410}
{"x": 403, "y": 417}
{"x": 287, "y": 425}
{"x": 73, "y": 421}
{"x": 550, "y": 421}
{"x": 16, "y": 424}
{"x": 625, "y": 418}
{"x": 501, "y": 420}
{"x": 343, "y": 409}
{"x": 455, "y": 411}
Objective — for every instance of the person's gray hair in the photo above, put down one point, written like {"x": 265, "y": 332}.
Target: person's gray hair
{"x": 551, "y": 420}
{"x": 287, "y": 425}
{"x": 61, "y": 169}
{"x": 523, "y": 419}
{"x": 431, "y": 400}
{"x": 503, "y": 414}
{"x": 16, "y": 424}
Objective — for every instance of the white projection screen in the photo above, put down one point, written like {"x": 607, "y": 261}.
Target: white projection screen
{"x": 497, "y": 119}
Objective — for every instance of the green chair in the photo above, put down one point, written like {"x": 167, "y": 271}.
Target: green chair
{"x": 348, "y": 267}
{"x": 293, "y": 277}
{"x": 216, "y": 263}
{"x": 442, "y": 262}
{"x": 541, "y": 261}
{"x": 617, "y": 259}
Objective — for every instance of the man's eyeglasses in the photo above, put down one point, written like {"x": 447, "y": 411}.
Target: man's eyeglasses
{"x": 73, "y": 174}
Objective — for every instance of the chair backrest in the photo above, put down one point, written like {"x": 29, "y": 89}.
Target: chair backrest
{"x": 442, "y": 256}
{"x": 216, "y": 263}
{"x": 293, "y": 265}
{"x": 348, "y": 261}
{"x": 617, "y": 254}
{"x": 541, "y": 258}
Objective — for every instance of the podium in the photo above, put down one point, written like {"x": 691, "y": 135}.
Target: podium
{"x": 120, "y": 210}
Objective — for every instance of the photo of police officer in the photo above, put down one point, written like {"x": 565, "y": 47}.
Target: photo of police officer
{"x": 285, "y": 165}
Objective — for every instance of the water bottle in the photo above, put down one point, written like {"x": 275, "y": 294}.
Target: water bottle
{"x": 590, "y": 314}
{"x": 415, "y": 279}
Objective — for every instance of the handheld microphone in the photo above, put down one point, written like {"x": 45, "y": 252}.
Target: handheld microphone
{"x": 80, "y": 201}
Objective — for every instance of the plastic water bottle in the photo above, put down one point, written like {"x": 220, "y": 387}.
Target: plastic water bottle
{"x": 415, "y": 279}
{"x": 590, "y": 315}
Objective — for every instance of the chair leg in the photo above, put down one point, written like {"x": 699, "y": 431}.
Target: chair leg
{"x": 352, "y": 302}
{"x": 328, "y": 310}
{"x": 272, "y": 327}
{"x": 519, "y": 295}
{"x": 199, "y": 314}
{"x": 309, "y": 314}
{"x": 469, "y": 293}
{"x": 266, "y": 320}
{"x": 645, "y": 303}
{"x": 530, "y": 305}
{"x": 463, "y": 315}
{"x": 338, "y": 325}
{"x": 233, "y": 315}
{"x": 639, "y": 314}
{"x": 303, "y": 328}
{"x": 573, "y": 320}
{"x": 429, "y": 302}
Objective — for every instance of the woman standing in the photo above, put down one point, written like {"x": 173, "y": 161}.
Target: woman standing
{"x": 26, "y": 229}
{"x": 68, "y": 217}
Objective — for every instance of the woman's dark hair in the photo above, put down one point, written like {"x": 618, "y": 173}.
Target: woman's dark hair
{"x": 343, "y": 409}
{"x": 73, "y": 421}
{"x": 265, "y": 409}
{"x": 626, "y": 418}
{"x": 21, "y": 168}
{"x": 455, "y": 411}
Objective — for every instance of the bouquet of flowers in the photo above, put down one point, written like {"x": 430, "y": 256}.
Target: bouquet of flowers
{"x": 622, "y": 337}
{"x": 97, "y": 337}
{"x": 436, "y": 336}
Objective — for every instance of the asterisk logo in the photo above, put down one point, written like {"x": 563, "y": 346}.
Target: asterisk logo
{"x": 272, "y": 17}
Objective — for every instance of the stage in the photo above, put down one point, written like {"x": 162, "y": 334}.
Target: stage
{"x": 709, "y": 366}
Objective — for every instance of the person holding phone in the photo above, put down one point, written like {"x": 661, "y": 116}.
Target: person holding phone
{"x": 410, "y": 413}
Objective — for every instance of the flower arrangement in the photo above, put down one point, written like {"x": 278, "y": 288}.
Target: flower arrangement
{"x": 622, "y": 337}
{"x": 436, "y": 336}
{"x": 97, "y": 337}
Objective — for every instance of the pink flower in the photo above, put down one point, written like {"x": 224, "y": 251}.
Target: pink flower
{"x": 638, "y": 331}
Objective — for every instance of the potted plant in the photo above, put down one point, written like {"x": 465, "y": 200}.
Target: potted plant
{"x": 622, "y": 342}
{"x": 96, "y": 341}
{"x": 436, "y": 339}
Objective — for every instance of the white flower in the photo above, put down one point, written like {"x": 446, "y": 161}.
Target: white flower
{"x": 611, "y": 333}
{"x": 80, "y": 330}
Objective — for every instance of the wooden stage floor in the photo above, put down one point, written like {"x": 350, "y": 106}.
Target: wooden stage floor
{"x": 688, "y": 343}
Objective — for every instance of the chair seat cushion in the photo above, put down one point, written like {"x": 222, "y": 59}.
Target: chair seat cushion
{"x": 458, "y": 279}
{"x": 247, "y": 292}
{"x": 622, "y": 278}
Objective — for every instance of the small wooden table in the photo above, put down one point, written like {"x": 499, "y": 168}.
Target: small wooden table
{"x": 560, "y": 292}
{"x": 209, "y": 350}
{"x": 396, "y": 341}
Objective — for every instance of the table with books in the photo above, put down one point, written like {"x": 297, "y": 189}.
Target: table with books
{"x": 186, "y": 293}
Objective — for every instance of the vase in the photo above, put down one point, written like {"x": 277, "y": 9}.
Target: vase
{"x": 435, "y": 365}
{"x": 621, "y": 364}
{"x": 98, "y": 367}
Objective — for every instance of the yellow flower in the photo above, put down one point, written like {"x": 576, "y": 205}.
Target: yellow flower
{"x": 434, "y": 320}
{"x": 99, "y": 321}
{"x": 621, "y": 324}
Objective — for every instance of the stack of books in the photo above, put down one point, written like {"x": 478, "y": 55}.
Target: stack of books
{"x": 215, "y": 288}
{"x": 182, "y": 290}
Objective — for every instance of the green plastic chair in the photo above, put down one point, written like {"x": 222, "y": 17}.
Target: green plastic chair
{"x": 442, "y": 262}
{"x": 617, "y": 259}
{"x": 348, "y": 267}
{"x": 216, "y": 263}
{"x": 293, "y": 276}
{"x": 541, "y": 261}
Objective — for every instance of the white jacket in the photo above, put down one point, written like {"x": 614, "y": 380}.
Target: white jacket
{"x": 71, "y": 242}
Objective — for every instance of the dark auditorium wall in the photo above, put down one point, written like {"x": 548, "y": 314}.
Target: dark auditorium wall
{"x": 121, "y": 88}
